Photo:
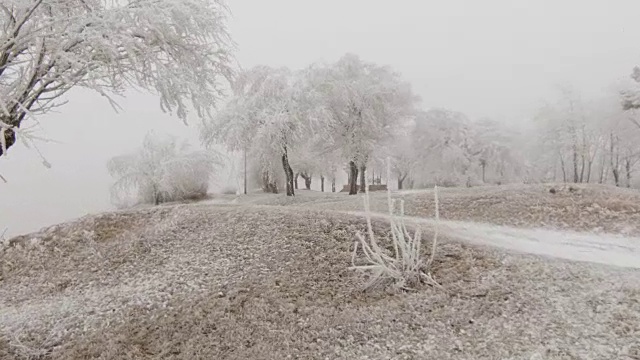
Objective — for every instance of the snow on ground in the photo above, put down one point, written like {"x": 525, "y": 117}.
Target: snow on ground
{"x": 584, "y": 208}
{"x": 606, "y": 249}
{"x": 246, "y": 281}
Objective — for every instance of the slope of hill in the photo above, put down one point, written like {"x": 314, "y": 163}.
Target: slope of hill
{"x": 250, "y": 282}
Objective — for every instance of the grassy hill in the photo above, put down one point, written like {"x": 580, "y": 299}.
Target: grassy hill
{"x": 244, "y": 281}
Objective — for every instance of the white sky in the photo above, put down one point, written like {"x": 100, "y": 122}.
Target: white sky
{"x": 497, "y": 58}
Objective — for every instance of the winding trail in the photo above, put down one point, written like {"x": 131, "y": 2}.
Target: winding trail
{"x": 608, "y": 249}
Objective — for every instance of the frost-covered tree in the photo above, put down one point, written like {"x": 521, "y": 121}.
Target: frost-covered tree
{"x": 306, "y": 162}
{"x": 179, "y": 49}
{"x": 501, "y": 157}
{"x": 446, "y": 146}
{"x": 328, "y": 166}
{"x": 584, "y": 141}
{"x": 631, "y": 97}
{"x": 161, "y": 170}
{"x": 623, "y": 147}
{"x": 401, "y": 151}
{"x": 569, "y": 133}
{"x": 591, "y": 140}
{"x": 267, "y": 114}
{"x": 362, "y": 103}
{"x": 404, "y": 162}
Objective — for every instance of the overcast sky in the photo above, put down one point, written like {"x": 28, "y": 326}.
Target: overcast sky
{"x": 495, "y": 58}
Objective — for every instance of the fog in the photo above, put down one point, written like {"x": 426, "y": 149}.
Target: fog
{"x": 498, "y": 59}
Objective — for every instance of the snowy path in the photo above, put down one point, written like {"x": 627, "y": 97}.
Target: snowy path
{"x": 606, "y": 249}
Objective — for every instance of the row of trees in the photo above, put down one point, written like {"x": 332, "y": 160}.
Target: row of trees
{"x": 312, "y": 119}
{"x": 300, "y": 124}
{"x": 446, "y": 148}
{"x": 313, "y": 122}
{"x": 587, "y": 141}
{"x": 318, "y": 120}
{"x": 568, "y": 140}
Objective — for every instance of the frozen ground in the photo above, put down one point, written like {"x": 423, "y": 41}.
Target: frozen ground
{"x": 244, "y": 281}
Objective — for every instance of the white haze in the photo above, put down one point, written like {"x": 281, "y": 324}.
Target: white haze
{"x": 497, "y": 59}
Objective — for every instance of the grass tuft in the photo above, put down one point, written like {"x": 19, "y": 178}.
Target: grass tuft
{"x": 403, "y": 269}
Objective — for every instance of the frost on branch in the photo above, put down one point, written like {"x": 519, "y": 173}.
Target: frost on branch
{"x": 161, "y": 171}
{"x": 631, "y": 98}
{"x": 266, "y": 117}
{"x": 362, "y": 103}
{"x": 178, "y": 49}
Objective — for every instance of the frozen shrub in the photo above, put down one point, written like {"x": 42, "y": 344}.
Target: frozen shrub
{"x": 404, "y": 268}
{"x": 161, "y": 171}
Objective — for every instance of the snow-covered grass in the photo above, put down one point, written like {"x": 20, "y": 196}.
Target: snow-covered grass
{"x": 249, "y": 282}
{"x": 405, "y": 267}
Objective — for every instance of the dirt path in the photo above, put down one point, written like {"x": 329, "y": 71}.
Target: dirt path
{"x": 605, "y": 249}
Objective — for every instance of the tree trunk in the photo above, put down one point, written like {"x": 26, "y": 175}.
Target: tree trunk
{"x": 564, "y": 172}
{"x": 627, "y": 166}
{"x": 267, "y": 185}
{"x": 288, "y": 173}
{"x": 333, "y": 185}
{"x": 353, "y": 178}
{"x": 582, "y": 168}
{"x": 603, "y": 168}
{"x": 245, "y": 171}
{"x": 265, "y": 182}
{"x": 307, "y": 182}
{"x": 614, "y": 163}
{"x": 295, "y": 180}
{"x": 322, "y": 183}
{"x": 156, "y": 195}
{"x": 484, "y": 168}
{"x": 575, "y": 165}
{"x": 363, "y": 179}
{"x": 9, "y": 137}
{"x": 589, "y": 169}
{"x": 401, "y": 179}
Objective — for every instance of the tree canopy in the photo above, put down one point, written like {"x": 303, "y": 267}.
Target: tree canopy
{"x": 178, "y": 49}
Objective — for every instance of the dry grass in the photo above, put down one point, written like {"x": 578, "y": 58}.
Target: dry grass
{"x": 404, "y": 268}
{"x": 228, "y": 282}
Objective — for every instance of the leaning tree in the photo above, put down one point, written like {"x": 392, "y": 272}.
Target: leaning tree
{"x": 180, "y": 50}
{"x": 362, "y": 104}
